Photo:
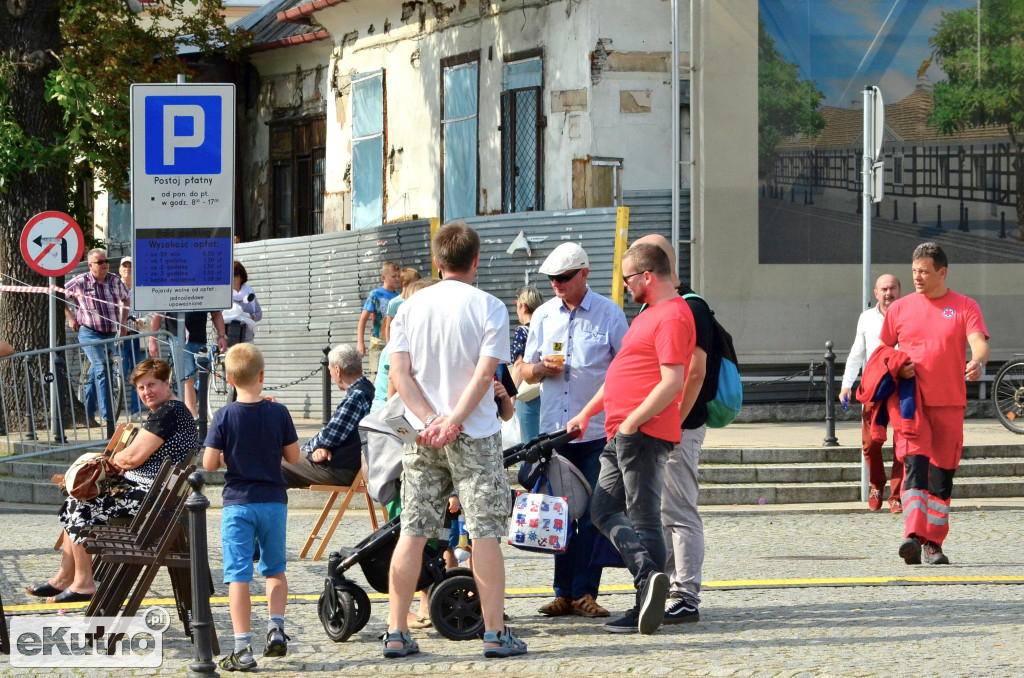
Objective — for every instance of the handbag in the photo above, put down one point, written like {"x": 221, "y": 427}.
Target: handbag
{"x": 564, "y": 480}
{"x": 91, "y": 475}
{"x": 540, "y": 522}
{"x": 528, "y": 392}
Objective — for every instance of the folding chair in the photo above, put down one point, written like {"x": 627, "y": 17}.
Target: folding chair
{"x": 357, "y": 487}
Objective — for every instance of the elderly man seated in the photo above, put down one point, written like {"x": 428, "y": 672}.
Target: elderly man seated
{"x": 333, "y": 456}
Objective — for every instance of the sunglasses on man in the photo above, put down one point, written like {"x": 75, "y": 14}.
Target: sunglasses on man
{"x": 564, "y": 277}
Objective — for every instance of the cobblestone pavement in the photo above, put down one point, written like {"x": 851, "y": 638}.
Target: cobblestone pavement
{"x": 747, "y": 629}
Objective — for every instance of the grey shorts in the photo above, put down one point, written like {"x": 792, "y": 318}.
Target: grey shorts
{"x": 473, "y": 468}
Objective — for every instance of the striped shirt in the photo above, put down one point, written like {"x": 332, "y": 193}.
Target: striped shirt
{"x": 97, "y": 305}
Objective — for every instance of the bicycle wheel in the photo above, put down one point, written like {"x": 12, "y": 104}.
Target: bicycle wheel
{"x": 219, "y": 392}
{"x": 1008, "y": 395}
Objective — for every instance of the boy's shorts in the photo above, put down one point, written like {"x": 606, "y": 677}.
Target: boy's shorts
{"x": 241, "y": 524}
{"x": 474, "y": 467}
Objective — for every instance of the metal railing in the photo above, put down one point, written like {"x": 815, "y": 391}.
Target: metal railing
{"x": 45, "y": 395}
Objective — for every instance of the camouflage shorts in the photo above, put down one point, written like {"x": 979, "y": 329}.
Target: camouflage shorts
{"x": 473, "y": 466}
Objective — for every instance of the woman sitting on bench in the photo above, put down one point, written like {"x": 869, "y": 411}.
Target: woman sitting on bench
{"x": 170, "y": 432}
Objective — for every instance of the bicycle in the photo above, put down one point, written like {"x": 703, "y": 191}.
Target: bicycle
{"x": 115, "y": 381}
{"x": 1008, "y": 394}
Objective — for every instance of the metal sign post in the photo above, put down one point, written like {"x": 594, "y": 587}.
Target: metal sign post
{"x": 52, "y": 244}
{"x": 872, "y": 174}
{"x": 183, "y": 183}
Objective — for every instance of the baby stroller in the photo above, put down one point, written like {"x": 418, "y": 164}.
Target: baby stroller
{"x": 344, "y": 607}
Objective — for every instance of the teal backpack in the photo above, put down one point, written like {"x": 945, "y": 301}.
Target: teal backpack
{"x": 728, "y": 400}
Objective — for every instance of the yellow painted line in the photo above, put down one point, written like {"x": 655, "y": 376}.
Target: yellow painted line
{"x": 724, "y": 584}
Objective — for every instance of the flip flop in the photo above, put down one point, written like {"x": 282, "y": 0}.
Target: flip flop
{"x": 69, "y": 596}
{"x": 43, "y": 590}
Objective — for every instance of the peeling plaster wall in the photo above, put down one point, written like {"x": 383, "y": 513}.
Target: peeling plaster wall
{"x": 291, "y": 81}
{"x": 409, "y": 39}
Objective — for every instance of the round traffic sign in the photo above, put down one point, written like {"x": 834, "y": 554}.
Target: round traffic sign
{"x": 52, "y": 243}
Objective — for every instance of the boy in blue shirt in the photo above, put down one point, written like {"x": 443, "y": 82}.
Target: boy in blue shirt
{"x": 250, "y": 436}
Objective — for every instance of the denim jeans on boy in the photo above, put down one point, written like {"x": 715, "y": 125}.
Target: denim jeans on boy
{"x": 99, "y": 372}
{"x": 574, "y": 576}
{"x": 626, "y": 505}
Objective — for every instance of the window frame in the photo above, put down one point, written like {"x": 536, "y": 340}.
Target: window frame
{"x": 446, "y": 63}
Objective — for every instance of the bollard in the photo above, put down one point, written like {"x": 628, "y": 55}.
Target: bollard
{"x": 1002, "y": 224}
{"x": 792, "y": 194}
{"x": 805, "y": 197}
{"x": 203, "y": 398}
{"x": 325, "y": 383}
{"x": 967, "y": 219}
{"x": 202, "y": 618}
{"x": 830, "y": 397}
{"x": 895, "y": 210}
{"x": 878, "y": 210}
{"x": 914, "y": 220}
{"x": 938, "y": 216}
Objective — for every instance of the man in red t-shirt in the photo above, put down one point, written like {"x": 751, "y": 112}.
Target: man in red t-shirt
{"x": 934, "y": 327}
{"x": 640, "y": 397}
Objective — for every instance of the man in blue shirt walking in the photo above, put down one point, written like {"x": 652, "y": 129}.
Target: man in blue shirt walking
{"x": 572, "y": 340}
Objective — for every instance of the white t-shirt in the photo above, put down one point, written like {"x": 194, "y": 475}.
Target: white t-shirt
{"x": 869, "y": 326}
{"x": 445, "y": 329}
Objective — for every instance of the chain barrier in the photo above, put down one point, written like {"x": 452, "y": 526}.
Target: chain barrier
{"x": 809, "y": 371}
{"x": 295, "y": 382}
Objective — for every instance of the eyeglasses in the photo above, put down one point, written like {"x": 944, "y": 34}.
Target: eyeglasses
{"x": 564, "y": 277}
{"x": 626, "y": 278}
{"x": 101, "y": 262}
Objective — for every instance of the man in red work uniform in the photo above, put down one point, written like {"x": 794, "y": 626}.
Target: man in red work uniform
{"x": 934, "y": 327}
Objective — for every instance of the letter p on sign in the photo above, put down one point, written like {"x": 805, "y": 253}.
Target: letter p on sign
{"x": 183, "y": 135}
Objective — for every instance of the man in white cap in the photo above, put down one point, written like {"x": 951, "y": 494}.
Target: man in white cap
{"x": 572, "y": 340}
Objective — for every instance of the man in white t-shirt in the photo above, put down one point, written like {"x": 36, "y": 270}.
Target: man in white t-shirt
{"x": 447, "y": 343}
{"x": 869, "y": 325}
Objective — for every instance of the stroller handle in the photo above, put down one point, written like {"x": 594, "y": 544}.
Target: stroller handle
{"x": 539, "y": 448}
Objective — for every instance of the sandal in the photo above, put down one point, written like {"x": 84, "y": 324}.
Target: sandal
{"x": 559, "y": 607}
{"x": 43, "y": 590}
{"x": 588, "y": 607}
{"x": 69, "y": 596}
{"x": 409, "y": 646}
{"x": 510, "y": 645}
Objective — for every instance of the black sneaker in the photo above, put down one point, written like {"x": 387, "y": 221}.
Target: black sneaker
{"x": 627, "y": 623}
{"x": 933, "y": 554}
{"x": 652, "y": 603}
{"x": 910, "y": 551}
{"x": 679, "y": 612}
{"x": 277, "y": 643}
{"x": 239, "y": 661}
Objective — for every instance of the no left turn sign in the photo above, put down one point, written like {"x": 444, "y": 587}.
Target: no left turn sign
{"x": 52, "y": 243}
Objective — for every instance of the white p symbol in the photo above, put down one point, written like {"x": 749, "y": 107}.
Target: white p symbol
{"x": 194, "y": 140}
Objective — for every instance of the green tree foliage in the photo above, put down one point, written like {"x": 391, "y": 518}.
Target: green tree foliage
{"x": 786, "y": 105}
{"x": 986, "y": 88}
{"x": 66, "y": 67}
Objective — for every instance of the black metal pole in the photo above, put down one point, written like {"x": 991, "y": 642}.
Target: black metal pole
{"x": 30, "y": 431}
{"x": 830, "y": 397}
{"x": 202, "y": 618}
{"x": 1002, "y": 224}
{"x": 203, "y": 399}
{"x": 60, "y": 374}
{"x": 325, "y": 385}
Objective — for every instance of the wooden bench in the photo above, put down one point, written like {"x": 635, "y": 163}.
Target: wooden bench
{"x": 357, "y": 487}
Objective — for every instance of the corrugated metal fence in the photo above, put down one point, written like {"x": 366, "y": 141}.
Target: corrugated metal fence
{"x": 312, "y": 288}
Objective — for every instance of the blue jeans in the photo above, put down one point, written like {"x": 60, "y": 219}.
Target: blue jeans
{"x": 529, "y": 419}
{"x": 574, "y": 576}
{"x": 131, "y": 354}
{"x": 626, "y": 505}
{"x": 99, "y": 372}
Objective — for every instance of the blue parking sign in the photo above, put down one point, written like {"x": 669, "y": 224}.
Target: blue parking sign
{"x": 183, "y": 135}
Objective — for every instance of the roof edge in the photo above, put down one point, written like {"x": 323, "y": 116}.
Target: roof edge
{"x": 292, "y": 40}
{"x": 302, "y": 13}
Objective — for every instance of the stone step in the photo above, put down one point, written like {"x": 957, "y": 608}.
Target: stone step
{"x": 801, "y": 455}
{"x": 804, "y": 493}
{"x": 849, "y": 472}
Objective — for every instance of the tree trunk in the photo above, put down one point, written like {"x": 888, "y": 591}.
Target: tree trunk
{"x": 29, "y": 33}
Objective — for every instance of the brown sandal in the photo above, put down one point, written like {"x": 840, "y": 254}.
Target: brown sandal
{"x": 559, "y": 607}
{"x": 588, "y": 607}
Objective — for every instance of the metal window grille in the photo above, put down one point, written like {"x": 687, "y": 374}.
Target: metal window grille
{"x": 522, "y": 175}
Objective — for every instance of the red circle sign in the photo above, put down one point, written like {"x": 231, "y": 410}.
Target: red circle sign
{"x": 52, "y": 243}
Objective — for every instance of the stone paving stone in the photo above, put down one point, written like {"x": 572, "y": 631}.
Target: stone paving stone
{"x": 871, "y": 631}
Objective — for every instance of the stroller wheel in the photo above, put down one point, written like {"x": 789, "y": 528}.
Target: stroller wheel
{"x": 455, "y": 609}
{"x": 338, "y": 616}
{"x": 448, "y": 574}
{"x": 360, "y": 600}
